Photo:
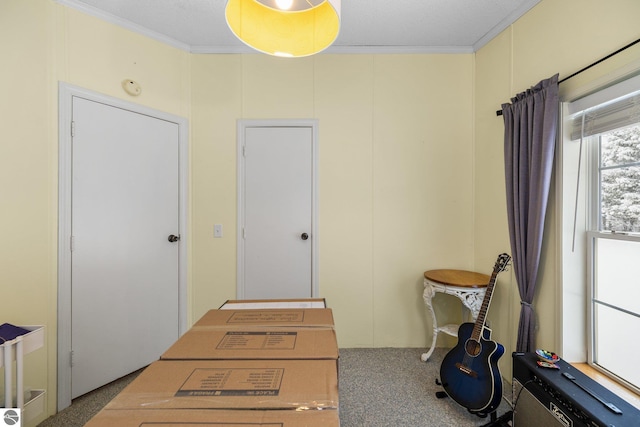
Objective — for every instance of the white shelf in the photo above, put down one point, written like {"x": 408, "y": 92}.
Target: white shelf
{"x": 34, "y": 406}
{"x": 14, "y": 350}
{"x": 30, "y": 342}
{"x": 450, "y": 329}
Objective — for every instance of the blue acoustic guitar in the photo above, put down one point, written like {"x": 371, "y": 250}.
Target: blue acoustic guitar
{"x": 469, "y": 372}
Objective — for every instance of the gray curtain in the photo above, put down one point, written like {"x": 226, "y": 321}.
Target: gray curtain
{"x": 530, "y": 123}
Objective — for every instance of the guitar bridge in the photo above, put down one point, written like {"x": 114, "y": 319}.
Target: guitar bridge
{"x": 465, "y": 370}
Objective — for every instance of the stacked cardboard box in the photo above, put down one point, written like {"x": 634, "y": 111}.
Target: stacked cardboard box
{"x": 221, "y": 418}
{"x": 240, "y": 365}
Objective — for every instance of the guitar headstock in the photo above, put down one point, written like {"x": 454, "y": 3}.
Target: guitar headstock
{"x": 501, "y": 263}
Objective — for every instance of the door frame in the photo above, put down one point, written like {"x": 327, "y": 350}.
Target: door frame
{"x": 66, "y": 92}
{"x": 243, "y": 124}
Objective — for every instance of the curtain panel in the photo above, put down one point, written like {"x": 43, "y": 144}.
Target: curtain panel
{"x": 530, "y": 122}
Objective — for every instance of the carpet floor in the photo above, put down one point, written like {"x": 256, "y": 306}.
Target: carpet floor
{"x": 381, "y": 387}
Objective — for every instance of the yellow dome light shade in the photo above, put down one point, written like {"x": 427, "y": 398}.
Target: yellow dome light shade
{"x": 291, "y": 28}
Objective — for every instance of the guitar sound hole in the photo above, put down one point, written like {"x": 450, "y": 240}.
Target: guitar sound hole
{"x": 472, "y": 347}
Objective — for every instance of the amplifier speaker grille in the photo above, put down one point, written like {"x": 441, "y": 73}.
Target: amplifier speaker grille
{"x": 530, "y": 412}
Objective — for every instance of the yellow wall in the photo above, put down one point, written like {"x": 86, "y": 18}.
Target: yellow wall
{"x": 27, "y": 178}
{"x": 556, "y": 36}
{"x": 411, "y": 169}
{"x": 42, "y": 44}
{"x": 394, "y": 177}
{"x": 27, "y": 171}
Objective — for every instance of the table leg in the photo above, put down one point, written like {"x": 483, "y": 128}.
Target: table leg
{"x": 427, "y": 296}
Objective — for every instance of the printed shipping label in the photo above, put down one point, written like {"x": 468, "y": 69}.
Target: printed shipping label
{"x": 233, "y": 382}
{"x": 258, "y": 341}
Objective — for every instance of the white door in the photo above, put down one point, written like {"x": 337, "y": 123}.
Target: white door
{"x": 278, "y": 202}
{"x": 124, "y": 273}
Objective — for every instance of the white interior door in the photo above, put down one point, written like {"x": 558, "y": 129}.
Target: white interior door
{"x": 124, "y": 273}
{"x": 278, "y": 201}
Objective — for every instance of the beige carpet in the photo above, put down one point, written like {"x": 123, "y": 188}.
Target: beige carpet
{"x": 83, "y": 408}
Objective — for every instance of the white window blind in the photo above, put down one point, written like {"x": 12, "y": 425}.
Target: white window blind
{"x": 614, "y": 107}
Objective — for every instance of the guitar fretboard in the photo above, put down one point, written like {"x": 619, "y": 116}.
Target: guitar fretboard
{"x": 500, "y": 265}
{"x": 479, "y": 325}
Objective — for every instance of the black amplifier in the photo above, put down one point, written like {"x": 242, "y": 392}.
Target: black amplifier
{"x": 564, "y": 397}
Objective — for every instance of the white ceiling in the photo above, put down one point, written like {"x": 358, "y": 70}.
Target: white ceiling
{"x": 368, "y": 26}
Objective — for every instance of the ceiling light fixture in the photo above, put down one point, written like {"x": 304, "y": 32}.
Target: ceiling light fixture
{"x": 291, "y": 28}
{"x": 284, "y": 4}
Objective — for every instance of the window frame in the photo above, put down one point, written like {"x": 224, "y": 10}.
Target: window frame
{"x": 575, "y": 205}
{"x": 594, "y": 232}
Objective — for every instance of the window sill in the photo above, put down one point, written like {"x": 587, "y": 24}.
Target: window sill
{"x": 630, "y": 396}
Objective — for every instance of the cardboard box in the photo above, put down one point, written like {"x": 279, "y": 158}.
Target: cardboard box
{"x": 284, "y": 317}
{"x": 213, "y": 418}
{"x": 232, "y": 384}
{"x": 274, "y": 303}
{"x": 214, "y": 343}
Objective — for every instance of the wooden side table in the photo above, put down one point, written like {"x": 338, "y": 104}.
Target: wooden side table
{"x": 468, "y": 286}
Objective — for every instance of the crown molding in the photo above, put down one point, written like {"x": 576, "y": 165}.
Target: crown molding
{"x": 108, "y": 17}
{"x": 504, "y": 24}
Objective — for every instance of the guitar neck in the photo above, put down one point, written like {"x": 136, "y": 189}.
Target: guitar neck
{"x": 479, "y": 325}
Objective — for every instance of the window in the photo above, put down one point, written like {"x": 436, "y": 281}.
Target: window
{"x": 603, "y": 138}
{"x": 614, "y": 252}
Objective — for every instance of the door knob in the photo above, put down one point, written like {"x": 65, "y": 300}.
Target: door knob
{"x": 173, "y": 238}
{"x": 304, "y": 236}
